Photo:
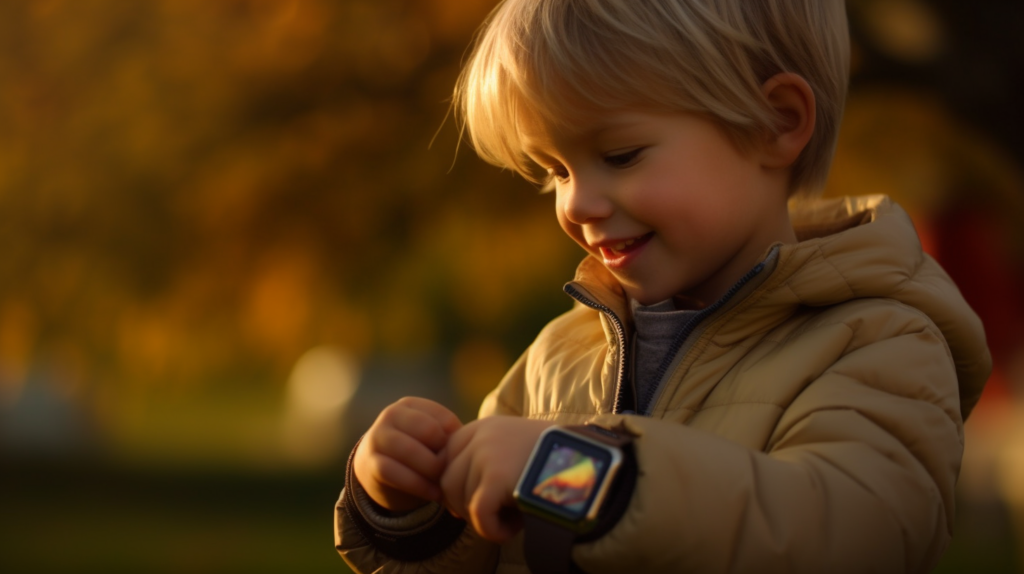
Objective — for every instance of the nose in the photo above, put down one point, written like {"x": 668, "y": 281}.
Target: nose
{"x": 585, "y": 201}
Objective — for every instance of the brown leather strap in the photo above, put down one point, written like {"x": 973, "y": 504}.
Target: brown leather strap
{"x": 548, "y": 547}
{"x": 601, "y": 434}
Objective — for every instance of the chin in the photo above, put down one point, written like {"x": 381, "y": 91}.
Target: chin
{"x": 646, "y": 297}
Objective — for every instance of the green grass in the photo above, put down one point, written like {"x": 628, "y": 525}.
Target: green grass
{"x": 104, "y": 518}
{"x": 70, "y": 519}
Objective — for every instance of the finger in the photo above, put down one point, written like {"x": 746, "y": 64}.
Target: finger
{"x": 453, "y": 486}
{"x": 486, "y": 510}
{"x": 443, "y": 415}
{"x": 414, "y": 423}
{"x": 409, "y": 452}
{"x": 458, "y": 441}
{"x": 474, "y": 471}
{"x": 393, "y": 473}
{"x": 422, "y": 425}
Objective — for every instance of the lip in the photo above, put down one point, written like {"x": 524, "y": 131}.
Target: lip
{"x": 618, "y": 259}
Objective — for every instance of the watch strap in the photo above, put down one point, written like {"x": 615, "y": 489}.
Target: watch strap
{"x": 601, "y": 434}
{"x": 548, "y": 547}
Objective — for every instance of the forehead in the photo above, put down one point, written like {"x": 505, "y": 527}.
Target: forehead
{"x": 592, "y": 128}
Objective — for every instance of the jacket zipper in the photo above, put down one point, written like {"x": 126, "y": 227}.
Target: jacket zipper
{"x": 620, "y": 332}
{"x": 677, "y": 341}
{"x": 685, "y": 332}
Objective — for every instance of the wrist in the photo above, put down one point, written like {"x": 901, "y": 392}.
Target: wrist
{"x": 390, "y": 502}
{"x": 411, "y": 537}
{"x": 575, "y": 487}
{"x": 572, "y": 474}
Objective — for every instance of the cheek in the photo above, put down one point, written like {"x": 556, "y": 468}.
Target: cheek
{"x": 682, "y": 209}
{"x": 691, "y": 194}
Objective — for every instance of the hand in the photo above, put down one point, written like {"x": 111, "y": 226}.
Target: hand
{"x": 398, "y": 462}
{"x": 485, "y": 459}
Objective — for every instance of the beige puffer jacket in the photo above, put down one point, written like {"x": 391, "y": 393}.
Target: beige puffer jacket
{"x": 812, "y": 424}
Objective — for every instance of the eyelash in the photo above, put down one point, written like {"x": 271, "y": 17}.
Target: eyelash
{"x": 623, "y": 160}
{"x": 618, "y": 161}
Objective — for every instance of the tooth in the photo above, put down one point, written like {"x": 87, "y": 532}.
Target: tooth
{"x": 619, "y": 246}
{"x": 630, "y": 242}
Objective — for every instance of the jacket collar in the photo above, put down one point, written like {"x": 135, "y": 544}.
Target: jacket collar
{"x": 848, "y": 248}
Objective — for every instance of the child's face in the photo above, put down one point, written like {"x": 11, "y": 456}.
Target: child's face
{"x": 667, "y": 201}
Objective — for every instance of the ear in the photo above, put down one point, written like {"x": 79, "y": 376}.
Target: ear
{"x": 793, "y": 101}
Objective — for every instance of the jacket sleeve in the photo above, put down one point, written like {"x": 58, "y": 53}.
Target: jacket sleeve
{"x": 372, "y": 542}
{"x": 858, "y": 475}
{"x": 375, "y": 552}
{"x": 507, "y": 398}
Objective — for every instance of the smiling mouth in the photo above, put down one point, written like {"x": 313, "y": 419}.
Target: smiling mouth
{"x": 623, "y": 248}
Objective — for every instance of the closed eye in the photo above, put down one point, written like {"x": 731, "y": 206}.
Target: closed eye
{"x": 622, "y": 160}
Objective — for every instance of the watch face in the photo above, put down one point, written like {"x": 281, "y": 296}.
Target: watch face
{"x": 565, "y": 475}
{"x": 568, "y": 478}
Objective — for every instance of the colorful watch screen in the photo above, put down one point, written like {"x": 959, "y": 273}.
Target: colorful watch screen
{"x": 566, "y": 474}
{"x": 568, "y": 478}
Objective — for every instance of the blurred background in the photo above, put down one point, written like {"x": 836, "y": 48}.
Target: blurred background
{"x": 231, "y": 231}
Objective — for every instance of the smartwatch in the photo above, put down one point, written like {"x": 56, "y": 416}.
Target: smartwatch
{"x": 567, "y": 490}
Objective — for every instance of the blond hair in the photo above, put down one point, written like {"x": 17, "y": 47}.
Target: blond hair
{"x": 557, "y": 60}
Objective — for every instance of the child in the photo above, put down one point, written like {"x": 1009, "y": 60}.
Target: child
{"x": 778, "y": 381}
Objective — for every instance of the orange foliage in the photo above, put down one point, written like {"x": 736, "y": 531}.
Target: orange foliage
{"x": 190, "y": 189}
